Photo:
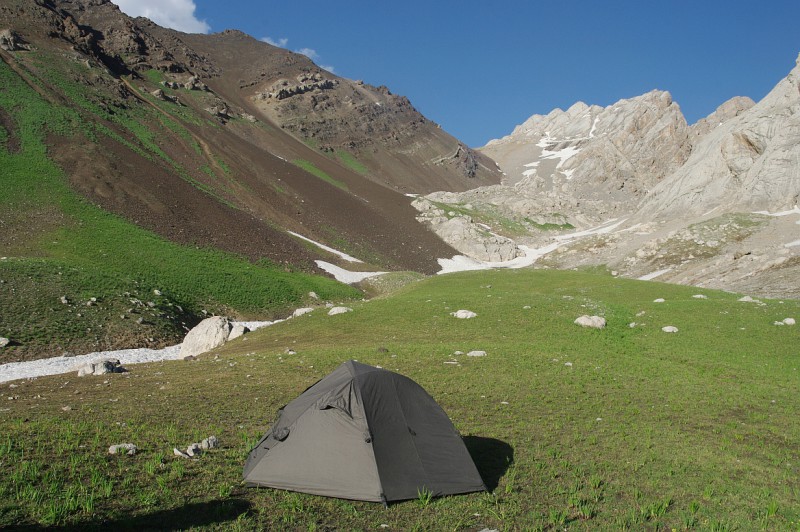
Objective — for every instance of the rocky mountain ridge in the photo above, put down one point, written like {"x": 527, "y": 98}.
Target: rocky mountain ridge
{"x": 325, "y": 157}
{"x": 690, "y": 204}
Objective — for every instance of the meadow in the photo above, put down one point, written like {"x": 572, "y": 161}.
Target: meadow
{"x": 624, "y": 428}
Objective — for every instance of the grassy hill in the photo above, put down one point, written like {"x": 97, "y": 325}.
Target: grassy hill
{"x": 57, "y": 244}
{"x": 621, "y": 428}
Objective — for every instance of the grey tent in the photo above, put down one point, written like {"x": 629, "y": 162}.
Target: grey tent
{"x": 363, "y": 433}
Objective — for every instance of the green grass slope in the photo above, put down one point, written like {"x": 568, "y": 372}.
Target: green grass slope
{"x": 621, "y": 428}
{"x": 54, "y": 243}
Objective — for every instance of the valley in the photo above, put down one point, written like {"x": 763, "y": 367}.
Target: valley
{"x": 150, "y": 179}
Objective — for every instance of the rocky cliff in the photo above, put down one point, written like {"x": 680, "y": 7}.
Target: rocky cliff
{"x": 713, "y": 204}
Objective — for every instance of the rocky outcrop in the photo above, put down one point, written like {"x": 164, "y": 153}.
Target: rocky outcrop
{"x": 747, "y": 163}
{"x": 730, "y": 109}
{"x": 306, "y": 82}
{"x": 595, "y": 161}
{"x": 11, "y": 42}
{"x": 468, "y": 237}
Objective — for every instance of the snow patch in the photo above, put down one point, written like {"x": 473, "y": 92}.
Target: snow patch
{"x": 345, "y": 276}
{"x": 792, "y": 244}
{"x": 341, "y": 254}
{"x": 796, "y": 210}
{"x": 653, "y": 275}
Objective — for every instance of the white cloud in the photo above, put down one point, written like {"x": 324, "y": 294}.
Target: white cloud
{"x": 308, "y": 52}
{"x": 281, "y": 42}
{"x": 176, "y": 14}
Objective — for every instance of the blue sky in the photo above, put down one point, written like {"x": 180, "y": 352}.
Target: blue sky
{"x": 480, "y": 68}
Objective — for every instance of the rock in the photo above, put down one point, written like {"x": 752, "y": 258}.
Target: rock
{"x": 476, "y": 354}
{"x": 301, "y": 311}
{"x": 4, "y": 341}
{"x": 190, "y": 357}
{"x": 101, "y": 367}
{"x": 659, "y": 300}
{"x": 313, "y": 295}
{"x": 209, "y": 443}
{"x": 178, "y": 452}
{"x": 237, "y": 330}
{"x": 193, "y": 449}
{"x": 463, "y": 314}
{"x": 129, "y": 448}
{"x": 207, "y": 335}
{"x": 700, "y": 296}
{"x": 157, "y": 292}
{"x": 64, "y": 300}
{"x": 339, "y": 310}
{"x": 594, "y": 322}
{"x": 748, "y": 299}
{"x": 10, "y": 41}
{"x": 669, "y": 329}
{"x": 789, "y": 321}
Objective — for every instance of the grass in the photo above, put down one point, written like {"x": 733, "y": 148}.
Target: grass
{"x": 309, "y": 167}
{"x": 643, "y": 430}
{"x": 351, "y": 162}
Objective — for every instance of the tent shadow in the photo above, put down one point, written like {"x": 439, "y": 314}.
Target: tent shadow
{"x": 203, "y": 514}
{"x": 492, "y": 458}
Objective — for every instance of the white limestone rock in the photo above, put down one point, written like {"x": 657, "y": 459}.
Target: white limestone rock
{"x": 594, "y": 322}
{"x": 206, "y": 335}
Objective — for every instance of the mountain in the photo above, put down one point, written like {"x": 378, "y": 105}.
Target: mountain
{"x": 327, "y": 158}
{"x": 714, "y": 203}
{"x": 210, "y": 169}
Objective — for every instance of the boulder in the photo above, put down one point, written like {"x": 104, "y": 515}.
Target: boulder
{"x": 237, "y": 330}
{"x": 101, "y": 367}
{"x": 301, "y": 311}
{"x": 463, "y": 314}
{"x": 594, "y": 322}
{"x": 10, "y": 41}
{"x": 207, "y": 335}
{"x": 339, "y": 310}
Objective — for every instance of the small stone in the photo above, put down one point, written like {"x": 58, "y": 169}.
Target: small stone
{"x": 476, "y": 354}
{"x": 210, "y": 443}
{"x": 339, "y": 310}
{"x": 193, "y": 449}
{"x": 594, "y": 322}
{"x": 789, "y": 321}
{"x": 313, "y": 295}
{"x": 129, "y": 448}
{"x": 178, "y": 452}
{"x": 464, "y": 314}
{"x": 659, "y": 300}
{"x": 67, "y": 409}
{"x": 669, "y": 329}
{"x": 190, "y": 357}
{"x": 64, "y": 300}
{"x": 700, "y": 296}
{"x": 4, "y": 341}
{"x": 157, "y": 292}
{"x": 301, "y": 311}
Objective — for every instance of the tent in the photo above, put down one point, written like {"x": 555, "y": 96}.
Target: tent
{"x": 363, "y": 433}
